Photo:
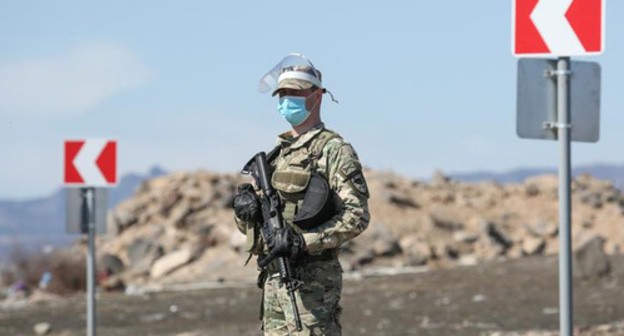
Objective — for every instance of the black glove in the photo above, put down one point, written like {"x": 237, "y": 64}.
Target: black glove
{"x": 246, "y": 204}
{"x": 286, "y": 242}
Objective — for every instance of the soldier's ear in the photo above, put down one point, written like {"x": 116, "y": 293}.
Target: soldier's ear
{"x": 320, "y": 92}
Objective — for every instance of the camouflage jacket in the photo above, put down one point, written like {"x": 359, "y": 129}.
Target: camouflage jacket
{"x": 339, "y": 164}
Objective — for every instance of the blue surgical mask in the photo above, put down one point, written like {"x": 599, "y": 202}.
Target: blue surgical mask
{"x": 293, "y": 109}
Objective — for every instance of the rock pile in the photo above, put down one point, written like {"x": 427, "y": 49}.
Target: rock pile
{"x": 463, "y": 223}
{"x": 179, "y": 228}
{"x": 176, "y": 228}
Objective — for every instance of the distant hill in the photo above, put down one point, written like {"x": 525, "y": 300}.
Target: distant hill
{"x": 39, "y": 221}
{"x": 611, "y": 172}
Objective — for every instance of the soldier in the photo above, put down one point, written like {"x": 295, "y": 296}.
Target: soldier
{"x": 319, "y": 179}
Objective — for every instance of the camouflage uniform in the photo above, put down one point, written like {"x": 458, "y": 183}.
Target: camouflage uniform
{"x": 320, "y": 272}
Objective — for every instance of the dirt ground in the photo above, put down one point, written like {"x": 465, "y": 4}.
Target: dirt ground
{"x": 488, "y": 299}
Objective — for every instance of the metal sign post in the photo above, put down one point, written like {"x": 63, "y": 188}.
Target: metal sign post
{"x": 86, "y": 214}
{"x": 553, "y": 107}
{"x": 88, "y": 202}
{"x": 564, "y": 127}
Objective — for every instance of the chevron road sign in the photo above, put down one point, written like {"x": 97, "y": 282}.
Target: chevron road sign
{"x": 90, "y": 163}
{"x": 558, "y": 27}
{"x": 559, "y": 99}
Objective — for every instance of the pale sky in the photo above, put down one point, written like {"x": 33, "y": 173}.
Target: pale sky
{"x": 422, "y": 85}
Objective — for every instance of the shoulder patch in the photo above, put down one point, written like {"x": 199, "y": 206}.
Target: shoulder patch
{"x": 359, "y": 183}
{"x": 351, "y": 171}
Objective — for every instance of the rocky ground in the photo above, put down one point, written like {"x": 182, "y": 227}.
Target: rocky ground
{"x": 516, "y": 297}
{"x": 488, "y": 249}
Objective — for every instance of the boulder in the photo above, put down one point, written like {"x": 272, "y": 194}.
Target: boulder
{"x": 112, "y": 229}
{"x": 171, "y": 262}
{"x": 111, "y": 264}
{"x": 468, "y": 260}
{"x": 531, "y": 190}
{"x": 416, "y": 252}
{"x": 42, "y": 328}
{"x": 226, "y": 198}
{"x": 446, "y": 220}
{"x": 591, "y": 198}
{"x": 612, "y": 195}
{"x": 362, "y": 258}
{"x": 514, "y": 252}
{"x": 465, "y": 237}
{"x": 168, "y": 201}
{"x": 385, "y": 243}
{"x": 440, "y": 250}
{"x": 455, "y": 249}
{"x": 389, "y": 185}
{"x": 386, "y": 247}
{"x": 590, "y": 260}
{"x": 237, "y": 241}
{"x": 113, "y": 283}
{"x": 179, "y": 213}
{"x": 542, "y": 229}
{"x": 142, "y": 253}
{"x": 533, "y": 246}
{"x": 452, "y": 251}
{"x": 498, "y": 233}
{"x": 401, "y": 201}
{"x": 224, "y": 192}
{"x": 541, "y": 185}
{"x": 123, "y": 217}
{"x": 223, "y": 231}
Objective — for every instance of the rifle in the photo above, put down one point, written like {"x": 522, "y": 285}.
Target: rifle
{"x": 271, "y": 221}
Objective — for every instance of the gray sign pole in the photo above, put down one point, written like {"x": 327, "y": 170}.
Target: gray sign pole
{"x": 549, "y": 105}
{"x": 86, "y": 215}
{"x": 564, "y": 126}
{"x": 89, "y": 220}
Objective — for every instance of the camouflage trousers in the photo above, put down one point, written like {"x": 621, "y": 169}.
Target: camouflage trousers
{"x": 317, "y": 299}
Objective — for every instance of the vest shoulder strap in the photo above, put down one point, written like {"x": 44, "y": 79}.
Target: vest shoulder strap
{"x": 316, "y": 149}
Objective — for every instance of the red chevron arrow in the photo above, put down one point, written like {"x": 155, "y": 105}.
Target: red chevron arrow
{"x": 585, "y": 17}
{"x": 71, "y": 173}
{"x": 528, "y": 38}
{"x": 107, "y": 162}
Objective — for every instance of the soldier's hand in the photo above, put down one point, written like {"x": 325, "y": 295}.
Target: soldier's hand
{"x": 286, "y": 242}
{"x": 246, "y": 204}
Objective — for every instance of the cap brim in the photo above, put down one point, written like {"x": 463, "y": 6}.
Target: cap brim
{"x": 293, "y": 84}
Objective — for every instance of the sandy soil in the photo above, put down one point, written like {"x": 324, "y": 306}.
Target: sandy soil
{"x": 488, "y": 299}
